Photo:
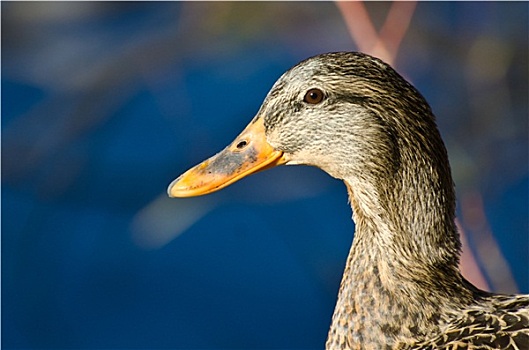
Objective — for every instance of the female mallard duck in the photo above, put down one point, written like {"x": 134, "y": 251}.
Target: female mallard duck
{"x": 357, "y": 119}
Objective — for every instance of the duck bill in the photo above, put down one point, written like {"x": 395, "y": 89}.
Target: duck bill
{"x": 248, "y": 154}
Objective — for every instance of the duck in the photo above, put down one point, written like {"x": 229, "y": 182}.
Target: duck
{"x": 353, "y": 116}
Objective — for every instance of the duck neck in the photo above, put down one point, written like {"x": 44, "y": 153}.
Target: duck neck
{"x": 403, "y": 265}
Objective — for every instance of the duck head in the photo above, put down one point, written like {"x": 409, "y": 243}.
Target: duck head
{"x": 347, "y": 113}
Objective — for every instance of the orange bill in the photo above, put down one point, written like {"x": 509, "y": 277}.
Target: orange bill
{"x": 249, "y": 153}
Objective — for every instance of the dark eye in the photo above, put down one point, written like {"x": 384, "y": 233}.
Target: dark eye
{"x": 313, "y": 96}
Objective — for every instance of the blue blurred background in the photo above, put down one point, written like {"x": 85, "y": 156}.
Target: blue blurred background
{"x": 105, "y": 103}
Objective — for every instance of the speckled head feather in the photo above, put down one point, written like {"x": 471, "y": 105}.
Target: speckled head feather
{"x": 357, "y": 119}
{"x": 351, "y": 121}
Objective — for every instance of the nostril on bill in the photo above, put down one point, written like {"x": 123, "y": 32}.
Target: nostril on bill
{"x": 242, "y": 144}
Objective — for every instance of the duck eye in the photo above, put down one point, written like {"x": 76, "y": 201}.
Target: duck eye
{"x": 313, "y": 96}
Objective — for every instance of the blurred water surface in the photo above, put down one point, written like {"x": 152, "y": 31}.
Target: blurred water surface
{"x": 104, "y": 103}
